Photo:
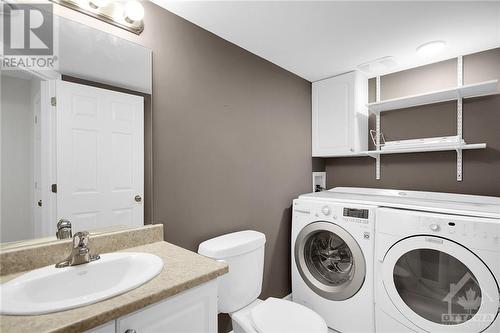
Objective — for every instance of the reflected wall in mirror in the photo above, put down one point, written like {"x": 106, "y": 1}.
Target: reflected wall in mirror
{"x": 21, "y": 157}
{"x": 76, "y": 143}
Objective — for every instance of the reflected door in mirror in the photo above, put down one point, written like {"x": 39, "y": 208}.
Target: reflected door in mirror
{"x": 100, "y": 156}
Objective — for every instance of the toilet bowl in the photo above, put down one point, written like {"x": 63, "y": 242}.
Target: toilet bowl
{"x": 238, "y": 290}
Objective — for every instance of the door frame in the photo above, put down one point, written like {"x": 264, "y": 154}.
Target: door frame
{"x": 485, "y": 279}
{"x": 37, "y": 153}
{"x": 48, "y": 157}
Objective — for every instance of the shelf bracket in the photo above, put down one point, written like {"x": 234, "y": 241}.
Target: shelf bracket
{"x": 377, "y": 138}
{"x": 460, "y": 82}
{"x": 459, "y": 165}
{"x": 377, "y": 88}
{"x": 460, "y": 71}
{"x": 460, "y": 119}
{"x": 460, "y": 79}
{"x": 377, "y": 158}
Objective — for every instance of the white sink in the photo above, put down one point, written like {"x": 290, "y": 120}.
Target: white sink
{"x": 51, "y": 289}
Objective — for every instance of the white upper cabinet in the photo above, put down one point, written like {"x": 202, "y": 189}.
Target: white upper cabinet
{"x": 340, "y": 115}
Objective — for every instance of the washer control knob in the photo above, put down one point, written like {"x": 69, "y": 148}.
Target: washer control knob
{"x": 435, "y": 227}
{"x": 325, "y": 210}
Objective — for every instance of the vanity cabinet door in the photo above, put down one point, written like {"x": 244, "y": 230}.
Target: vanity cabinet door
{"x": 106, "y": 328}
{"x": 194, "y": 310}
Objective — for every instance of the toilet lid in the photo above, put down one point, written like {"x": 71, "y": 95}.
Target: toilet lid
{"x": 277, "y": 315}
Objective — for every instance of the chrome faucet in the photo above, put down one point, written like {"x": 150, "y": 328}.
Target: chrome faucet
{"x": 80, "y": 253}
{"x": 64, "y": 229}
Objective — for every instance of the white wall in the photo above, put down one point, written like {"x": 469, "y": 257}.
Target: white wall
{"x": 91, "y": 54}
{"x": 17, "y": 201}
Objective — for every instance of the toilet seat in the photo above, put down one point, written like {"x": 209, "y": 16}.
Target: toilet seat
{"x": 276, "y": 315}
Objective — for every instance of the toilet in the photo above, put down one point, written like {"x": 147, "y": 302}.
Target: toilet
{"x": 238, "y": 290}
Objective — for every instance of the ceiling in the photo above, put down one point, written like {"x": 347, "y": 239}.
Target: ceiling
{"x": 316, "y": 40}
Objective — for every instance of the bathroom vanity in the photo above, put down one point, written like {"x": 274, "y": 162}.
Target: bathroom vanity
{"x": 194, "y": 310}
{"x": 182, "y": 297}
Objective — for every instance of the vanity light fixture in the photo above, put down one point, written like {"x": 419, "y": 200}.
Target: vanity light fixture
{"x": 126, "y": 14}
{"x": 431, "y": 48}
{"x": 133, "y": 11}
{"x": 98, "y": 3}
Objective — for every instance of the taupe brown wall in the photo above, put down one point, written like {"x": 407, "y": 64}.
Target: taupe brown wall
{"x": 433, "y": 171}
{"x": 231, "y": 142}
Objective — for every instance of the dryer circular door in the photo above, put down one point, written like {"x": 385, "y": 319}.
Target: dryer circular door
{"x": 329, "y": 260}
{"x": 439, "y": 285}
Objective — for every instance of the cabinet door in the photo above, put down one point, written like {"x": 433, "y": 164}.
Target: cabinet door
{"x": 332, "y": 115}
{"x": 106, "y": 328}
{"x": 194, "y": 310}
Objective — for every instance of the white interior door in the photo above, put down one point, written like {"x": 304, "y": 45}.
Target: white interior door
{"x": 100, "y": 157}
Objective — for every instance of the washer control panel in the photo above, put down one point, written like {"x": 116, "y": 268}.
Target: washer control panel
{"x": 344, "y": 214}
{"x": 356, "y": 213}
{"x": 326, "y": 210}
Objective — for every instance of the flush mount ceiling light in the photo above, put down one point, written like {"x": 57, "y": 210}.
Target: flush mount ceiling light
{"x": 378, "y": 66}
{"x": 126, "y": 14}
{"x": 431, "y": 48}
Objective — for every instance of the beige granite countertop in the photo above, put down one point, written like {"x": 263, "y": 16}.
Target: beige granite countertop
{"x": 183, "y": 270}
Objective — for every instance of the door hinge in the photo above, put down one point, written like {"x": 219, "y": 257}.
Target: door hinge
{"x": 53, "y": 101}
{"x": 54, "y": 188}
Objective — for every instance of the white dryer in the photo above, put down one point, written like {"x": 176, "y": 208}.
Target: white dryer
{"x": 437, "y": 272}
{"x": 332, "y": 262}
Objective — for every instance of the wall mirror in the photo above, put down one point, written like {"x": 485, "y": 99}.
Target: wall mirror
{"x": 76, "y": 141}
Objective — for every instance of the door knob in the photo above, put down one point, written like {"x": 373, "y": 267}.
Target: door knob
{"x": 138, "y": 198}
{"x": 130, "y": 331}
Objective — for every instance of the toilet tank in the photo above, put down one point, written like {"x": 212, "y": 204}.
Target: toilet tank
{"x": 243, "y": 251}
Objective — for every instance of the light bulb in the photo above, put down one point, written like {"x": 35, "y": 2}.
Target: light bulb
{"x": 134, "y": 11}
{"x": 98, "y": 3}
{"x": 431, "y": 48}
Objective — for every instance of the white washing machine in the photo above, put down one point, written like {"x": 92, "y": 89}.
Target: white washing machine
{"x": 438, "y": 272}
{"x": 457, "y": 248}
{"x": 332, "y": 261}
